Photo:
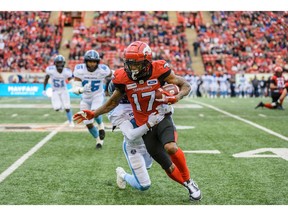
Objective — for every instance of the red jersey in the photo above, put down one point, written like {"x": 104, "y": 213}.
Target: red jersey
{"x": 279, "y": 82}
{"x": 141, "y": 94}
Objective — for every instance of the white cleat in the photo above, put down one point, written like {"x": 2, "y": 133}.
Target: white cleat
{"x": 71, "y": 125}
{"x": 120, "y": 172}
{"x": 194, "y": 191}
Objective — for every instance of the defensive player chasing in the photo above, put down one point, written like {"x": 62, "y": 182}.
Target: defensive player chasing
{"x": 60, "y": 95}
{"x": 88, "y": 81}
{"x": 134, "y": 148}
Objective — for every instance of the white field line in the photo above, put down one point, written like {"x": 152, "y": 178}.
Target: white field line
{"x": 245, "y": 120}
{"x": 203, "y": 152}
{"x": 21, "y": 160}
{"x": 262, "y": 115}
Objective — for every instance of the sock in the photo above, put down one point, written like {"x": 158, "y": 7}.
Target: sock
{"x": 179, "y": 160}
{"x": 176, "y": 175}
{"x": 268, "y": 105}
{"x": 101, "y": 126}
{"x": 99, "y": 119}
{"x": 93, "y": 131}
{"x": 69, "y": 115}
{"x": 131, "y": 180}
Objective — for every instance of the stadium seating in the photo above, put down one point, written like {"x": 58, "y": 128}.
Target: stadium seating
{"x": 29, "y": 41}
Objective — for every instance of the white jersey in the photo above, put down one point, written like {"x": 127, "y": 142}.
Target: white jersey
{"x": 58, "y": 80}
{"x": 95, "y": 78}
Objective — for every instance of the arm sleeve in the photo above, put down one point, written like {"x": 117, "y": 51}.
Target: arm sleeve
{"x": 132, "y": 133}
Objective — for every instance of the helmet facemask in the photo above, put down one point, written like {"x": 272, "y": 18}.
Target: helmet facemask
{"x": 137, "y": 69}
{"x": 90, "y": 57}
{"x": 59, "y": 63}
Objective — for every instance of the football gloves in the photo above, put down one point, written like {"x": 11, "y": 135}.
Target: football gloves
{"x": 83, "y": 115}
{"x": 167, "y": 98}
{"x": 164, "y": 109}
{"x": 154, "y": 119}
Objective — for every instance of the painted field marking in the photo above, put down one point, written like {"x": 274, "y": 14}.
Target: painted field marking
{"x": 246, "y": 121}
{"x": 203, "y": 152}
{"x": 14, "y": 115}
{"x": 262, "y": 115}
{"x": 21, "y": 160}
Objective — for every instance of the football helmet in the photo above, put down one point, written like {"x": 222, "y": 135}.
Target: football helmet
{"x": 278, "y": 71}
{"x": 137, "y": 61}
{"x": 59, "y": 62}
{"x": 90, "y": 58}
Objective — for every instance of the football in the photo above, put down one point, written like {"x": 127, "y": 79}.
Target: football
{"x": 170, "y": 88}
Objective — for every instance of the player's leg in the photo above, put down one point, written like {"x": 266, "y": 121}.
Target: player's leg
{"x": 67, "y": 106}
{"x": 140, "y": 178}
{"x": 96, "y": 103}
{"x": 168, "y": 136}
{"x": 158, "y": 153}
{"x": 56, "y": 101}
{"x": 85, "y": 105}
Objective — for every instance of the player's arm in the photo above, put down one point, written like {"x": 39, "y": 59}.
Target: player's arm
{"x": 282, "y": 96}
{"x": 183, "y": 85}
{"x": 273, "y": 85}
{"x": 110, "y": 104}
{"x": 135, "y": 133}
{"x": 77, "y": 87}
{"x": 45, "y": 82}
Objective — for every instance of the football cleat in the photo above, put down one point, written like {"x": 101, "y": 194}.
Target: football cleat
{"x": 279, "y": 107}
{"x": 120, "y": 173}
{"x": 102, "y": 134}
{"x": 194, "y": 191}
{"x": 261, "y": 104}
{"x": 98, "y": 146}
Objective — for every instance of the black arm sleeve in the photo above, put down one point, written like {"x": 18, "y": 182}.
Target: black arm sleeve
{"x": 163, "y": 76}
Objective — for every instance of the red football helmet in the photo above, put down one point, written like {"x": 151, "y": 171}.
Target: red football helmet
{"x": 278, "y": 71}
{"x": 137, "y": 60}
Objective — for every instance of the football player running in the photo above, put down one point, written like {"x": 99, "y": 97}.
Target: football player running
{"x": 134, "y": 148}
{"x": 60, "y": 96}
{"x": 139, "y": 79}
{"x": 89, "y": 78}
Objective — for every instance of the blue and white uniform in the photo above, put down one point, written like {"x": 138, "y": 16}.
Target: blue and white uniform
{"x": 60, "y": 95}
{"x": 95, "y": 98}
{"x": 134, "y": 148}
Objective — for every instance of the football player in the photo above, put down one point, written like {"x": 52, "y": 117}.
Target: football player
{"x": 139, "y": 79}
{"x": 88, "y": 81}
{"x": 277, "y": 85}
{"x": 60, "y": 96}
{"x": 134, "y": 148}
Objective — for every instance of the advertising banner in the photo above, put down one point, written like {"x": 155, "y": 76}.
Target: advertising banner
{"x": 29, "y": 90}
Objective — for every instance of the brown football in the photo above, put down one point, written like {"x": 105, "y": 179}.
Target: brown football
{"x": 170, "y": 88}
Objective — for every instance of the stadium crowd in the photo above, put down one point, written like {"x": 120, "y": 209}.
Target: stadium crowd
{"x": 27, "y": 41}
{"x": 234, "y": 43}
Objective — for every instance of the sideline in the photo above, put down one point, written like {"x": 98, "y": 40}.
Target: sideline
{"x": 244, "y": 120}
{"x": 21, "y": 160}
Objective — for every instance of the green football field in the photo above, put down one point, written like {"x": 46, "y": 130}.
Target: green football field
{"x": 238, "y": 155}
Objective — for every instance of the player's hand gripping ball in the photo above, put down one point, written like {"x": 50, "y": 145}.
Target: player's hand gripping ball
{"x": 166, "y": 94}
